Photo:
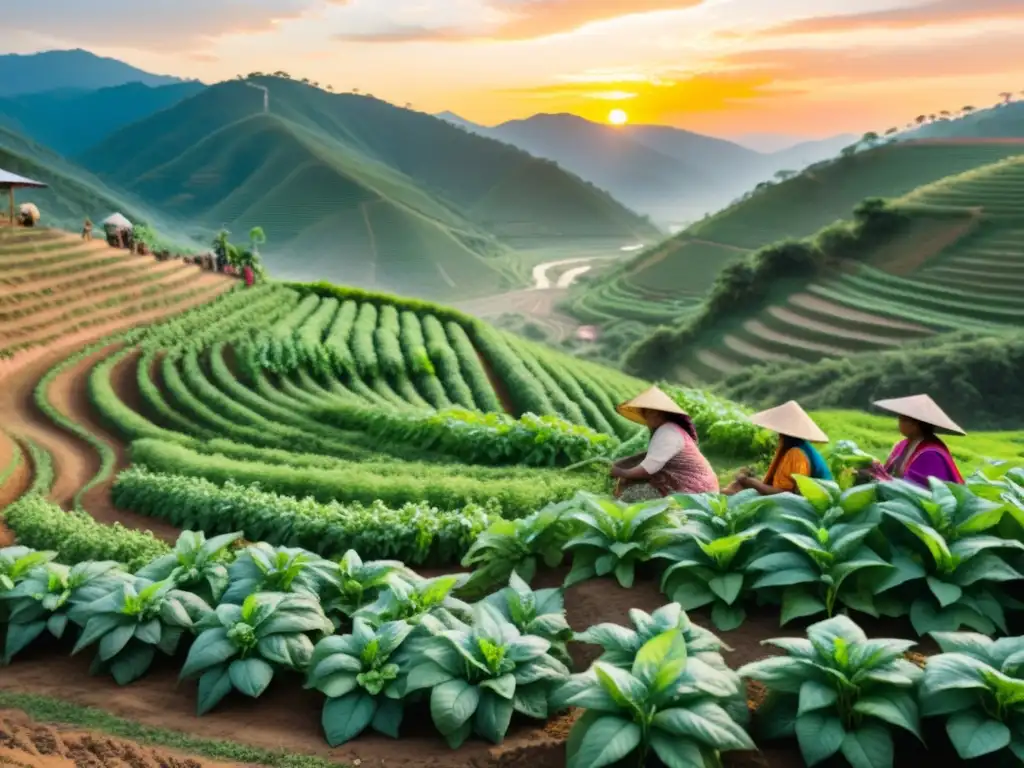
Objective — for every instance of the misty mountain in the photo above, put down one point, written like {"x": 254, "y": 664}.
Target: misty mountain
{"x": 76, "y": 70}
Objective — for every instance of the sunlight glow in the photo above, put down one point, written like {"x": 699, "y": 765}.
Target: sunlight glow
{"x": 618, "y": 117}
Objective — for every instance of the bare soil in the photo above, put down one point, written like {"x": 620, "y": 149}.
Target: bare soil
{"x": 25, "y": 743}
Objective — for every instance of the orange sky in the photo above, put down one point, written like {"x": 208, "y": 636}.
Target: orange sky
{"x": 727, "y": 67}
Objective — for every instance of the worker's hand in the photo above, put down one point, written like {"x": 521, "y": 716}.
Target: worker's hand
{"x": 617, "y": 471}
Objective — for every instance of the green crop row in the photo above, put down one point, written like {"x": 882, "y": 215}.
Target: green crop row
{"x": 493, "y": 438}
{"x": 414, "y": 533}
{"x": 419, "y": 363}
{"x": 472, "y": 371}
{"x": 444, "y": 487}
{"x": 445, "y": 363}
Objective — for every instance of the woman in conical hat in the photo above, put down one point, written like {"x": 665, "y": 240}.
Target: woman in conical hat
{"x": 673, "y": 462}
{"x": 921, "y": 454}
{"x": 795, "y": 454}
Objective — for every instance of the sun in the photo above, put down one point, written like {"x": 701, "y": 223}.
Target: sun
{"x": 618, "y": 117}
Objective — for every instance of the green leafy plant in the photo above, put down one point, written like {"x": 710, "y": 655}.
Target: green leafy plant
{"x": 540, "y": 613}
{"x": 838, "y": 692}
{"x": 240, "y": 647}
{"x": 359, "y": 584}
{"x": 41, "y": 600}
{"x": 416, "y": 602}
{"x": 846, "y": 460}
{"x": 668, "y": 702}
{"x": 133, "y": 621}
{"x": 616, "y": 536}
{"x": 710, "y": 552}
{"x": 263, "y": 568}
{"x": 479, "y": 674}
{"x": 516, "y": 546}
{"x": 17, "y": 562}
{"x": 196, "y": 564}
{"x": 360, "y": 675}
{"x": 943, "y": 542}
{"x": 977, "y": 684}
{"x": 821, "y": 558}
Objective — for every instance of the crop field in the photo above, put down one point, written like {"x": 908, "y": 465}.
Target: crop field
{"x": 947, "y": 272}
{"x": 366, "y": 530}
{"x": 688, "y": 264}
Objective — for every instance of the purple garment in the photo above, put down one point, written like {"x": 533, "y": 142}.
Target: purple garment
{"x": 929, "y": 462}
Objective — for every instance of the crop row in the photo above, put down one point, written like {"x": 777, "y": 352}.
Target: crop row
{"x": 493, "y": 438}
{"x": 376, "y": 638}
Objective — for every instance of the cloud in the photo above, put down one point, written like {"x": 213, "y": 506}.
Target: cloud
{"x": 992, "y": 54}
{"x": 931, "y": 13}
{"x": 388, "y": 21}
{"x": 154, "y": 24}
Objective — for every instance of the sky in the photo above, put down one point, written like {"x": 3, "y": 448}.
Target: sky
{"x": 807, "y": 68}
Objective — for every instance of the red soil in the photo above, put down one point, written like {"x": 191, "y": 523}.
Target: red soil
{"x": 28, "y": 744}
{"x": 288, "y": 717}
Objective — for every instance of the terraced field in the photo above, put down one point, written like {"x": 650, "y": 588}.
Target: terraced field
{"x": 948, "y": 272}
{"x": 663, "y": 284}
{"x": 210, "y": 486}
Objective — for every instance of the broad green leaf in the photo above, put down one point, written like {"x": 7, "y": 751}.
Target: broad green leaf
{"x": 250, "y": 676}
{"x": 815, "y": 695}
{"x": 605, "y": 741}
{"x": 214, "y": 685}
{"x": 798, "y": 602}
{"x": 452, "y": 703}
{"x": 974, "y": 735}
{"x": 345, "y": 718}
{"x": 727, "y": 617}
{"x": 944, "y": 592}
{"x": 820, "y": 736}
{"x": 661, "y": 660}
{"x": 869, "y": 746}
{"x": 727, "y": 586}
{"x": 899, "y": 709}
{"x": 704, "y": 722}
{"x": 675, "y": 752}
{"x": 493, "y": 714}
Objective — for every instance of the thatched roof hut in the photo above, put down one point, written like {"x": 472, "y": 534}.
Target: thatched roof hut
{"x": 117, "y": 221}
{"x": 12, "y": 181}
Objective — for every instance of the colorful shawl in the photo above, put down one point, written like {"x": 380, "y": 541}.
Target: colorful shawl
{"x": 931, "y": 458}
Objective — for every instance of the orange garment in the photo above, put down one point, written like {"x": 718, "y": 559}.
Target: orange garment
{"x": 784, "y": 466}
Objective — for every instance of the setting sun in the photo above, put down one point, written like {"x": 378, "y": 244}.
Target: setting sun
{"x": 618, "y": 117}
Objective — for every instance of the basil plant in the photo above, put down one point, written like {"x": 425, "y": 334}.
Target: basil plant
{"x": 615, "y": 536}
{"x": 361, "y": 675}
{"x": 948, "y": 568}
{"x": 131, "y": 622}
{"x": 427, "y": 602}
{"x": 480, "y": 674}
{"x": 708, "y": 554}
{"x": 517, "y": 546}
{"x": 15, "y": 564}
{"x": 196, "y": 564}
{"x": 667, "y": 702}
{"x": 839, "y": 693}
{"x": 540, "y": 613}
{"x": 263, "y": 568}
{"x": 359, "y": 584}
{"x": 40, "y": 601}
{"x": 977, "y": 685}
{"x": 240, "y": 647}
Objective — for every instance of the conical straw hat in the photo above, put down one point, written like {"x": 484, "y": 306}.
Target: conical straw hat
{"x": 652, "y": 399}
{"x": 790, "y": 420}
{"x": 921, "y": 408}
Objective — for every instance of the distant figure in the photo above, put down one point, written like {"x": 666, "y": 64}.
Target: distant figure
{"x": 28, "y": 215}
{"x": 250, "y": 276}
{"x": 921, "y": 454}
{"x": 673, "y": 462}
{"x": 87, "y": 230}
{"x": 794, "y": 456}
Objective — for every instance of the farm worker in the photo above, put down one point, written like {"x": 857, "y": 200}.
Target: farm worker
{"x": 250, "y": 277}
{"x": 87, "y": 230}
{"x": 673, "y": 462}
{"x": 794, "y": 456}
{"x": 921, "y": 454}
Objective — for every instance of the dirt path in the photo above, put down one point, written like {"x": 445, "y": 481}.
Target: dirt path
{"x": 14, "y": 486}
{"x": 25, "y": 743}
{"x": 75, "y": 462}
{"x": 818, "y": 304}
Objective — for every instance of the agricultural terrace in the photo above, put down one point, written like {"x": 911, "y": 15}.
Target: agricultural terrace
{"x": 208, "y": 493}
{"x": 956, "y": 265}
{"x": 665, "y": 283}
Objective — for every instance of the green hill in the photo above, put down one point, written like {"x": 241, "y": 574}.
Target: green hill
{"x": 350, "y": 187}
{"x": 71, "y": 121}
{"x": 951, "y": 261}
{"x": 1005, "y": 121}
{"x": 72, "y": 193}
{"x": 668, "y": 281}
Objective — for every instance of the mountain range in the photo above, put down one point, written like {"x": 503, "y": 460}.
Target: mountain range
{"x": 76, "y": 70}
{"x": 672, "y": 175}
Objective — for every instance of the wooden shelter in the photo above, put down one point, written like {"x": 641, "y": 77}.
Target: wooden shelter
{"x": 12, "y": 181}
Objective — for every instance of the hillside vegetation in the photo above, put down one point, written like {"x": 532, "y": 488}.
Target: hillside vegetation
{"x": 952, "y": 262}
{"x": 665, "y": 283}
{"x": 367, "y": 192}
